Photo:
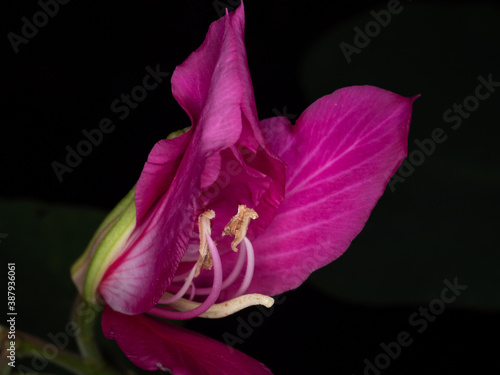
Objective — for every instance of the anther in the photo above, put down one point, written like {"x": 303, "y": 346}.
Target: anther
{"x": 205, "y": 228}
{"x": 238, "y": 225}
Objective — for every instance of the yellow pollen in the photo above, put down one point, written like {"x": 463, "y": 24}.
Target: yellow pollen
{"x": 238, "y": 225}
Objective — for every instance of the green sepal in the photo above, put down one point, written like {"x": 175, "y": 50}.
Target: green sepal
{"x": 105, "y": 246}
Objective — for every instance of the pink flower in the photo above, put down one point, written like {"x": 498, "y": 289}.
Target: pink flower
{"x": 233, "y": 210}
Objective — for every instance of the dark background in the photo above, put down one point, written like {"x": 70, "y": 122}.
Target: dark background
{"x": 438, "y": 224}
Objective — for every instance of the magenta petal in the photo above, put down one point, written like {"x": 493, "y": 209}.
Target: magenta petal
{"x": 137, "y": 279}
{"x": 210, "y": 84}
{"x": 159, "y": 171}
{"x": 152, "y": 344}
{"x": 216, "y": 75}
{"x": 340, "y": 156}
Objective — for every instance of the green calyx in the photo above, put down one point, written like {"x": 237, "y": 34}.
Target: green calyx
{"x": 178, "y": 133}
{"x": 104, "y": 248}
{"x": 107, "y": 244}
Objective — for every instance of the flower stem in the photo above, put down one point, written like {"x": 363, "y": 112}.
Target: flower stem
{"x": 43, "y": 352}
{"x": 82, "y": 326}
{"x": 30, "y": 346}
{"x": 84, "y": 315}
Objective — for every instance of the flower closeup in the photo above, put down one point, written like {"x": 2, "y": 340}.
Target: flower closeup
{"x": 232, "y": 210}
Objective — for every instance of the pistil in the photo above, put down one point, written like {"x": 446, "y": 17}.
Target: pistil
{"x": 223, "y": 309}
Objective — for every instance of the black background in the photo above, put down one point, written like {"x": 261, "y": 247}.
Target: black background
{"x": 65, "y": 78}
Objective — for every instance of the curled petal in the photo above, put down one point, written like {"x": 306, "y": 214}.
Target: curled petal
{"x": 153, "y": 344}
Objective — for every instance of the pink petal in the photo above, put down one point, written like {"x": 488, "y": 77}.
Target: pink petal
{"x": 340, "y": 156}
{"x": 214, "y": 82}
{"x": 137, "y": 279}
{"x": 210, "y": 84}
{"x": 159, "y": 171}
{"x": 152, "y": 344}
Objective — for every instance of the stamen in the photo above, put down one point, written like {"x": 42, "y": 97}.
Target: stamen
{"x": 220, "y": 310}
{"x": 181, "y": 277}
{"x": 169, "y": 299}
{"x": 212, "y": 297}
{"x": 247, "y": 279}
{"x": 238, "y": 225}
{"x": 209, "y": 257}
{"x": 232, "y": 276}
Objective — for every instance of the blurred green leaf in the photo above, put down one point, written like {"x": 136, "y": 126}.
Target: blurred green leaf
{"x": 43, "y": 240}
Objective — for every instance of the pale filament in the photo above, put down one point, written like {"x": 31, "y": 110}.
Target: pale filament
{"x": 181, "y": 277}
{"x": 247, "y": 279}
{"x": 181, "y": 292}
{"x": 246, "y": 249}
{"x": 232, "y": 276}
{"x": 212, "y": 297}
{"x": 192, "y": 294}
